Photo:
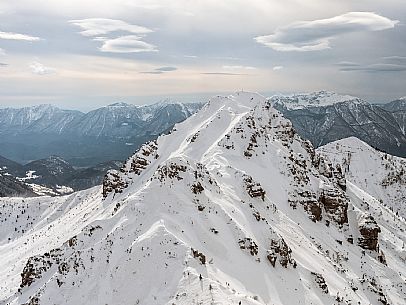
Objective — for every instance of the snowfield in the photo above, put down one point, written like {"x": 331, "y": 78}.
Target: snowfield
{"x": 232, "y": 207}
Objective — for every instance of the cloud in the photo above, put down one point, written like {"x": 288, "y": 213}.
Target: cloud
{"x": 2, "y": 52}
{"x": 161, "y": 70}
{"x": 395, "y": 59}
{"x": 2, "y": 65}
{"x": 101, "y": 26}
{"x": 347, "y": 64}
{"x": 127, "y": 44}
{"x": 222, "y": 73}
{"x": 17, "y": 36}
{"x": 40, "y": 69}
{"x": 166, "y": 69}
{"x": 316, "y": 35}
{"x": 97, "y": 27}
{"x": 239, "y": 67}
{"x": 277, "y": 68}
{"x": 375, "y": 68}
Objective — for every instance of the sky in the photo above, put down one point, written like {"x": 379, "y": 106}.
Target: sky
{"x": 82, "y": 54}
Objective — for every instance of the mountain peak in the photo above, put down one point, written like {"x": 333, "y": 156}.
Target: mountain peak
{"x": 121, "y": 104}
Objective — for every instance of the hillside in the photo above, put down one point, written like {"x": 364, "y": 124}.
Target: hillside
{"x": 109, "y": 133}
{"x": 232, "y": 207}
{"x": 379, "y": 174}
{"x": 324, "y": 117}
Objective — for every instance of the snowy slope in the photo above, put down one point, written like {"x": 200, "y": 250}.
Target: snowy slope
{"x": 379, "y": 174}
{"x": 232, "y": 207}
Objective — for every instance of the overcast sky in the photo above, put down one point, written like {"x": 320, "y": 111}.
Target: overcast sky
{"x": 87, "y": 53}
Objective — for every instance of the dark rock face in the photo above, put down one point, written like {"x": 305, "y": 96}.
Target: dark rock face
{"x": 309, "y": 202}
{"x": 248, "y": 244}
{"x": 200, "y": 256}
{"x": 335, "y": 204}
{"x": 369, "y": 231}
{"x": 279, "y": 249}
{"x": 253, "y": 188}
{"x": 320, "y": 281}
{"x": 113, "y": 182}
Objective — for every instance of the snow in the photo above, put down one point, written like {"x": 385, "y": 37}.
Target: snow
{"x": 381, "y": 175}
{"x": 314, "y": 99}
{"x": 194, "y": 220}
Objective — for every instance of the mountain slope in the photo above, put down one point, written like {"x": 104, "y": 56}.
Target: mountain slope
{"x": 11, "y": 187}
{"x": 232, "y": 207}
{"x": 379, "y": 174}
{"x": 324, "y": 117}
{"x": 398, "y": 110}
{"x": 108, "y": 133}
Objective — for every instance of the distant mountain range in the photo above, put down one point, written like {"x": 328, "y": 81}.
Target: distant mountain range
{"x": 50, "y": 176}
{"x": 324, "y": 117}
{"x": 85, "y": 139}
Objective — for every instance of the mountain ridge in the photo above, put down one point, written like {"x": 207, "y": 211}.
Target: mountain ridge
{"x": 231, "y": 207}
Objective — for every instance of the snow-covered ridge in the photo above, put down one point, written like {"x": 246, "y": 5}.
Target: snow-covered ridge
{"x": 378, "y": 173}
{"x": 314, "y": 99}
{"x": 232, "y": 207}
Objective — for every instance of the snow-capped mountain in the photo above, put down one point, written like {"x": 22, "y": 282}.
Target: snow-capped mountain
{"x": 314, "y": 99}
{"x": 109, "y": 133}
{"x": 324, "y": 117}
{"x": 232, "y": 207}
{"x": 379, "y": 174}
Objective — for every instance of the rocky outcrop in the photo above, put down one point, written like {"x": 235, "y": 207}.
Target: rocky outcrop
{"x": 248, "y": 244}
{"x": 335, "y": 204}
{"x": 280, "y": 251}
{"x": 309, "y": 202}
{"x": 113, "y": 182}
{"x": 369, "y": 231}
{"x": 253, "y": 188}
{"x": 320, "y": 281}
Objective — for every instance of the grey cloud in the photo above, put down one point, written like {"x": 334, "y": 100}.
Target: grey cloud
{"x": 161, "y": 70}
{"x": 222, "y": 73}
{"x": 316, "y": 35}
{"x": 2, "y": 64}
{"x": 347, "y": 64}
{"x": 166, "y": 69}
{"x": 395, "y": 59}
{"x": 375, "y": 68}
{"x": 126, "y": 44}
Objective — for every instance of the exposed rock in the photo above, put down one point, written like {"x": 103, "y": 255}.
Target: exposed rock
{"x": 248, "y": 244}
{"x": 319, "y": 279}
{"x": 280, "y": 249}
{"x": 254, "y": 189}
{"x": 335, "y": 204}
{"x": 113, "y": 182}
{"x": 309, "y": 202}
{"x": 200, "y": 256}
{"x": 369, "y": 231}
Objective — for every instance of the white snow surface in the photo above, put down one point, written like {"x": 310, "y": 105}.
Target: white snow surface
{"x": 379, "y": 174}
{"x": 136, "y": 246}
